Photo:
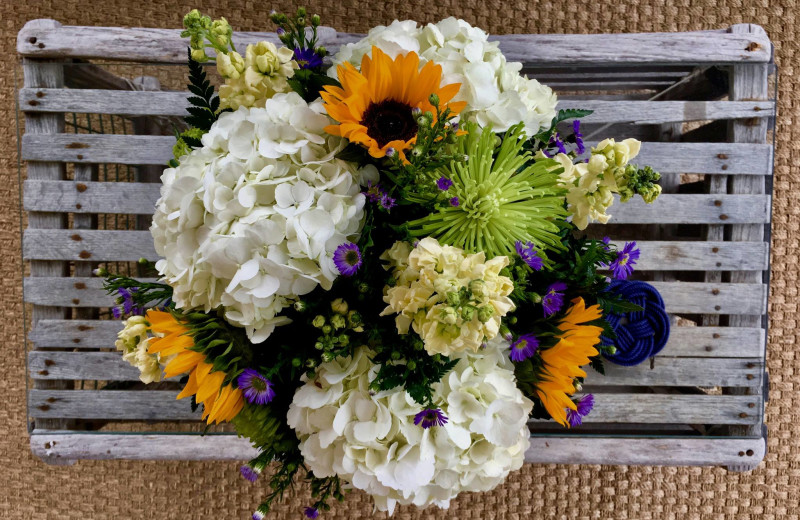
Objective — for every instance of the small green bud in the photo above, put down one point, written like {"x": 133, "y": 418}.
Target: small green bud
{"x": 327, "y": 357}
{"x": 300, "y": 306}
{"x": 412, "y": 365}
{"x": 354, "y": 319}
{"x": 321, "y": 50}
{"x": 419, "y": 345}
{"x": 453, "y": 299}
{"x": 578, "y": 386}
{"x": 417, "y": 150}
{"x": 301, "y": 11}
{"x": 326, "y": 329}
{"x": 339, "y": 306}
{"x": 344, "y": 340}
{"x": 338, "y": 321}
{"x": 311, "y": 363}
{"x": 301, "y": 21}
{"x": 319, "y": 345}
{"x": 315, "y": 20}
{"x": 434, "y": 99}
{"x": 467, "y": 313}
{"x": 512, "y": 320}
{"x": 199, "y": 55}
{"x": 100, "y": 271}
{"x": 396, "y": 355}
{"x": 535, "y": 297}
{"x": 296, "y": 362}
{"x": 363, "y": 288}
{"x": 485, "y": 313}
{"x": 611, "y": 350}
{"x": 291, "y": 467}
{"x": 477, "y": 288}
{"x": 319, "y": 321}
{"x": 449, "y": 316}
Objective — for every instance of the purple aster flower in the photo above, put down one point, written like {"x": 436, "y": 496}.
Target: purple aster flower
{"x": 248, "y": 473}
{"x": 390, "y": 152}
{"x": 311, "y": 512}
{"x": 347, "y": 258}
{"x": 387, "y": 202}
{"x": 576, "y": 130}
{"x": 257, "y": 389}
{"x": 307, "y": 58}
{"x": 529, "y": 255}
{"x": 127, "y": 299}
{"x": 622, "y": 266}
{"x": 524, "y": 348}
{"x": 606, "y": 241}
{"x": 374, "y": 192}
{"x": 553, "y": 300}
{"x": 430, "y": 417}
{"x": 454, "y": 202}
{"x": 281, "y": 31}
{"x": 556, "y": 140}
{"x": 116, "y": 312}
{"x": 585, "y": 405}
{"x": 444, "y": 183}
{"x": 454, "y": 125}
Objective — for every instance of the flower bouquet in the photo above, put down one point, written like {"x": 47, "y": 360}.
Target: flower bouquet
{"x": 372, "y": 264}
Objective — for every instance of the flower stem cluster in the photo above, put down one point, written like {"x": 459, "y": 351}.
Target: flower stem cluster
{"x": 292, "y": 32}
{"x": 641, "y": 181}
{"x": 336, "y": 328}
{"x": 205, "y": 33}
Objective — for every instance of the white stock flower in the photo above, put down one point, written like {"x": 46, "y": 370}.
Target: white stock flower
{"x": 133, "y": 341}
{"x": 370, "y": 439}
{"x": 495, "y": 91}
{"x": 250, "y": 221}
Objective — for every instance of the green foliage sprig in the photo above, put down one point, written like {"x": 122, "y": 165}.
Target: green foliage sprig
{"x": 204, "y": 104}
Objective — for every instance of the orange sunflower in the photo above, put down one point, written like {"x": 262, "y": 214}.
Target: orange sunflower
{"x": 220, "y": 403}
{"x": 563, "y": 362}
{"x": 374, "y": 107}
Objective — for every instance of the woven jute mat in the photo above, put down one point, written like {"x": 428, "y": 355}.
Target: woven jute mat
{"x": 132, "y": 490}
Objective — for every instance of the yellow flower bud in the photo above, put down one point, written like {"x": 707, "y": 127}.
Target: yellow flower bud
{"x": 230, "y": 65}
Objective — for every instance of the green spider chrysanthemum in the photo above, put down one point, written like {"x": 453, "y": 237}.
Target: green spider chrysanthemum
{"x": 500, "y": 200}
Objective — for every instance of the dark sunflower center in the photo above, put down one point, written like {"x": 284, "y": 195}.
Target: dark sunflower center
{"x": 351, "y": 258}
{"x": 388, "y": 121}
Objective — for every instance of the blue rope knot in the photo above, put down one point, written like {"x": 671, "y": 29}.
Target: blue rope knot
{"x": 641, "y": 334}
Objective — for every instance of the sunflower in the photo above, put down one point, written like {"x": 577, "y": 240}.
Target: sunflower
{"x": 220, "y": 403}
{"x": 375, "y": 107}
{"x": 563, "y": 362}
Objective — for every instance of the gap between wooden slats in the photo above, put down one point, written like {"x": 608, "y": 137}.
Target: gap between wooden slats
{"x": 609, "y": 408}
{"x": 104, "y": 245}
{"x": 109, "y": 366}
{"x": 680, "y": 297}
{"x": 720, "y": 158}
{"x": 719, "y": 342}
{"x": 166, "y": 45}
{"x": 175, "y": 104}
{"x": 140, "y": 199}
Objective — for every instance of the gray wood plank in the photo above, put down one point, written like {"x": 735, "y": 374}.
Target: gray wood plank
{"x": 165, "y": 45}
{"x": 693, "y": 209}
{"x": 722, "y": 158}
{"x": 107, "y": 245}
{"x": 659, "y": 112}
{"x": 75, "y": 333}
{"x": 609, "y": 408}
{"x": 708, "y": 372}
{"x": 124, "y": 198}
{"x": 679, "y": 297}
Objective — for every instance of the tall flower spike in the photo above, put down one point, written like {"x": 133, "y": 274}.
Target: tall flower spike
{"x": 501, "y": 200}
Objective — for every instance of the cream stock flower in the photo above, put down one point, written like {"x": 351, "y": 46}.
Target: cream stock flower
{"x": 370, "y": 439}
{"x": 453, "y": 300}
{"x": 132, "y": 341}
{"x": 252, "y": 80}
{"x": 250, "y": 221}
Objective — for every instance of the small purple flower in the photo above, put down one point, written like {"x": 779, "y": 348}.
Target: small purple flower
{"x": 444, "y": 183}
{"x": 430, "y": 417}
{"x": 256, "y": 388}
{"x": 585, "y": 405}
{"x": 248, "y": 473}
{"x": 454, "y": 125}
{"x": 524, "y": 348}
{"x": 374, "y": 192}
{"x": 127, "y": 299}
{"x": 347, "y": 258}
{"x": 390, "y": 152}
{"x": 281, "y": 31}
{"x": 307, "y": 58}
{"x": 258, "y": 515}
{"x": 622, "y": 266}
{"x": 311, "y": 512}
{"x": 576, "y": 130}
{"x": 387, "y": 202}
{"x": 553, "y": 300}
{"x": 454, "y": 202}
{"x": 556, "y": 140}
{"x": 116, "y": 312}
{"x": 606, "y": 241}
{"x": 529, "y": 255}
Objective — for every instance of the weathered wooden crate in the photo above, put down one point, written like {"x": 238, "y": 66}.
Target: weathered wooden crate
{"x": 701, "y": 101}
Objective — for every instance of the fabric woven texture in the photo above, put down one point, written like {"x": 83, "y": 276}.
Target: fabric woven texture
{"x": 132, "y": 490}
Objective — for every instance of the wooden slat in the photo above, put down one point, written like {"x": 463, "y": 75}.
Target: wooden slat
{"x": 110, "y": 404}
{"x": 679, "y": 297}
{"x": 740, "y": 159}
{"x": 730, "y": 342}
{"x": 105, "y": 245}
{"x": 707, "y": 372}
{"x": 75, "y": 333}
{"x": 693, "y": 209}
{"x": 175, "y": 103}
{"x": 124, "y": 198}
{"x": 165, "y": 45}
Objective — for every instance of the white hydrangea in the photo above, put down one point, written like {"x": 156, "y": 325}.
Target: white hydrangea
{"x": 250, "y": 221}
{"x": 370, "y": 439}
{"x": 495, "y": 91}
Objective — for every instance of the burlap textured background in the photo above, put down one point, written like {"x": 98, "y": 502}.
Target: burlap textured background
{"x": 132, "y": 490}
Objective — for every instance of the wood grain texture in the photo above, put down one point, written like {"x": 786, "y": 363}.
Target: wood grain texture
{"x": 166, "y": 45}
{"x": 708, "y": 372}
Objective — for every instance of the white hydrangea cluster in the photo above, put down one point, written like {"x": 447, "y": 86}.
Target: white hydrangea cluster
{"x": 454, "y": 300}
{"x": 250, "y": 221}
{"x": 133, "y": 341}
{"x": 370, "y": 439}
{"x": 495, "y": 91}
{"x": 591, "y": 185}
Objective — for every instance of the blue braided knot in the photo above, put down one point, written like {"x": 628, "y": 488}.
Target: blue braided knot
{"x": 642, "y": 334}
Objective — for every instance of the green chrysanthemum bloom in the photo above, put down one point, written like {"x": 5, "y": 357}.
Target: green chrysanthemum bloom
{"x": 496, "y": 201}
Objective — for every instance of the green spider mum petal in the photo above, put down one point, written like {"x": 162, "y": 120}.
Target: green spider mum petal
{"x": 503, "y": 197}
